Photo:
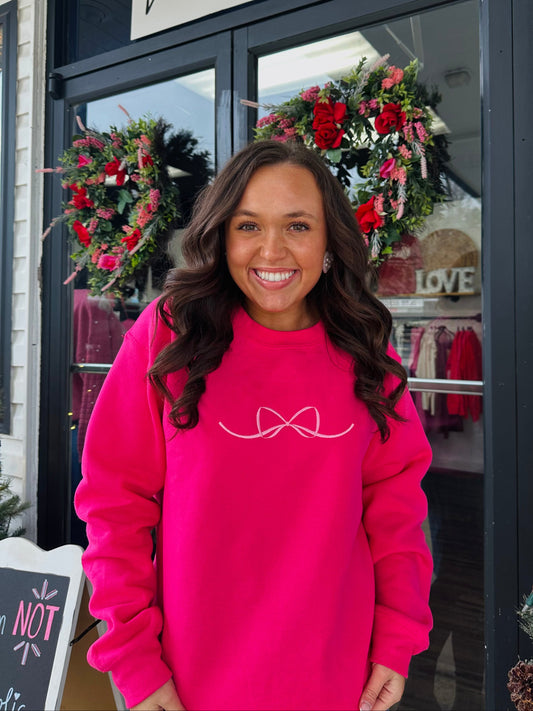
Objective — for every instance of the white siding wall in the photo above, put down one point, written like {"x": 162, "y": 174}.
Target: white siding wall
{"x": 19, "y": 449}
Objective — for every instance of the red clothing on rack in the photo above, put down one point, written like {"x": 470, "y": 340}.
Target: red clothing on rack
{"x": 464, "y": 363}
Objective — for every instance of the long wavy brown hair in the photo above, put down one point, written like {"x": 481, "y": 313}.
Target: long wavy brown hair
{"x": 199, "y": 299}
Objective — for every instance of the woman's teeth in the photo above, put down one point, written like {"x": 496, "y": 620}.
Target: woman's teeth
{"x": 274, "y": 276}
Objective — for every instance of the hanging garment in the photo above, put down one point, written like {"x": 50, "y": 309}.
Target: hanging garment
{"x": 465, "y": 363}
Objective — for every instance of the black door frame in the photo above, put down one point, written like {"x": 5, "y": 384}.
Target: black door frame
{"x": 508, "y": 292}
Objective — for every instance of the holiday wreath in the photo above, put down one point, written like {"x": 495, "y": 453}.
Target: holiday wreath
{"x": 124, "y": 198}
{"x": 376, "y": 119}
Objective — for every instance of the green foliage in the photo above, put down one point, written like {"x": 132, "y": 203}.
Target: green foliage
{"x": 11, "y": 506}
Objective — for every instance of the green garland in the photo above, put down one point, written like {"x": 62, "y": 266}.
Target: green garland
{"x": 376, "y": 119}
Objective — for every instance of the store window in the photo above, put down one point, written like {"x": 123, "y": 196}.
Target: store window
{"x": 432, "y": 285}
{"x": 8, "y": 44}
{"x": 187, "y": 103}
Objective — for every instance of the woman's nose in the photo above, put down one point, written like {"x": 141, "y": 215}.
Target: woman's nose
{"x": 273, "y": 246}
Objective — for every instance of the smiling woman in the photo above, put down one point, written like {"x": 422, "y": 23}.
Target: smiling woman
{"x": 276, "y": 419}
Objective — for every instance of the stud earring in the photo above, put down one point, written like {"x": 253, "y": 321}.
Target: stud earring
{"x": 328, "y": 261}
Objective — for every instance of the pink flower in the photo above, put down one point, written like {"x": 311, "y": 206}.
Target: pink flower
{"x": 362, "y": 108}
{"x": 395, "y": 77}
{"x": 267, "y": 120}
{"x": 378, "y": 203}
{"x": 105, "y": 212}
{"x": 421, "y": 131}
{"x": 290, "y": 132}
{"x": 109, "y": 262}
{"x": 408, "y": 132}
{"x": 116, "y": 140}
{"x": 405, "y": 152}
{"x": 399, "y": 174}
{"x": 311, "y": 94}
{"x": 84, "y": 160}
{"x": 96, "y": 181}
{"x": 373, "y": 104}
{"x": 286, "y": 123}
{"x": 93, "y": 224}
{"x": 155, "y": 196}
{"x": 387, "y": 168}
{"x": 88, "y": 141}
{"x": 144, "y": 216}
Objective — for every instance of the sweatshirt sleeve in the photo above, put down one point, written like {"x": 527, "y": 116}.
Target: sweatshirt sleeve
{"x": 394, "y": 507}
{"x": 123, "y": 471}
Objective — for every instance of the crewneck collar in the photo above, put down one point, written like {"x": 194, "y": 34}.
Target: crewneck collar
{"x": 244, "y": 325}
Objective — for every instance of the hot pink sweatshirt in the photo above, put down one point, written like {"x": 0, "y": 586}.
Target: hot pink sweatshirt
{"x": 290, "y": 553}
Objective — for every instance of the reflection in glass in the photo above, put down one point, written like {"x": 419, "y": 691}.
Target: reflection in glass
{"x": 188, "y": 103}
{"x": 432, "y": 286}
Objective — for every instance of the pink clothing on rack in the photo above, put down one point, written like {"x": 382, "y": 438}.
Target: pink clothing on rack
{"x": 98, "y": 335}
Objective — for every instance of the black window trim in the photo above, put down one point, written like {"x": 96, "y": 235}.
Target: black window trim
{"x": 8, "y": 20}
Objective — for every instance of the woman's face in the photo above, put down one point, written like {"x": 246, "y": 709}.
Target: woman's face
{"x": 275, "y": 245}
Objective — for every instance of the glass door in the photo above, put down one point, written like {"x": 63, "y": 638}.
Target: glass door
{"x": 100, "y": 322}
{"x": 432, "y": 285}
{"x": 188, "y": 87}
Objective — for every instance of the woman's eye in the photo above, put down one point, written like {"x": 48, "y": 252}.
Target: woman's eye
{"x": 247, "y": 226}
{"x": 299, "y": 227}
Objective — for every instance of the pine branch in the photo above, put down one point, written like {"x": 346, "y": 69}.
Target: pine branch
{"x": 11, "y": 506}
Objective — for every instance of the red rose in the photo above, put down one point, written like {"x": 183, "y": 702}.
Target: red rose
{"x": 80, "y": 199}
{"x": 328, "y": 136}
{"x": 146, "y": 160}
{"x": 367, "y": 217}
{"x": 328, "y": 117}
{"x": 113, "y": 168}
{"x": 327, "y": 111}
{"x": 82, "y": 232}
{"x": 132, "y": 239}
{"x": 391, "y": 118}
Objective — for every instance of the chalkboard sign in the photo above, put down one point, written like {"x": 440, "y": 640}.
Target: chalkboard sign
{"x": 40, "y": 594}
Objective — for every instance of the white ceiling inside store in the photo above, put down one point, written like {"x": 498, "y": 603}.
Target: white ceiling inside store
{"x": 446, "y": 43}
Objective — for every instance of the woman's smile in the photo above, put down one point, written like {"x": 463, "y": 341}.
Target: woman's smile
{"x": 273, "y": 278}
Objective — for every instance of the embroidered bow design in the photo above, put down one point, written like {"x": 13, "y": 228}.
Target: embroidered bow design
{"x": 265, "y": 430}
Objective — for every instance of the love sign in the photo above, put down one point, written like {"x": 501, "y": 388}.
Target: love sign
{"x": 39, "y": 601}
{"x": 459, "y": 280}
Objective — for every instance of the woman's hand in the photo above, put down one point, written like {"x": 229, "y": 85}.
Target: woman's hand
{"x": 165, "y": 698}
{"x": 383, "y": 689}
